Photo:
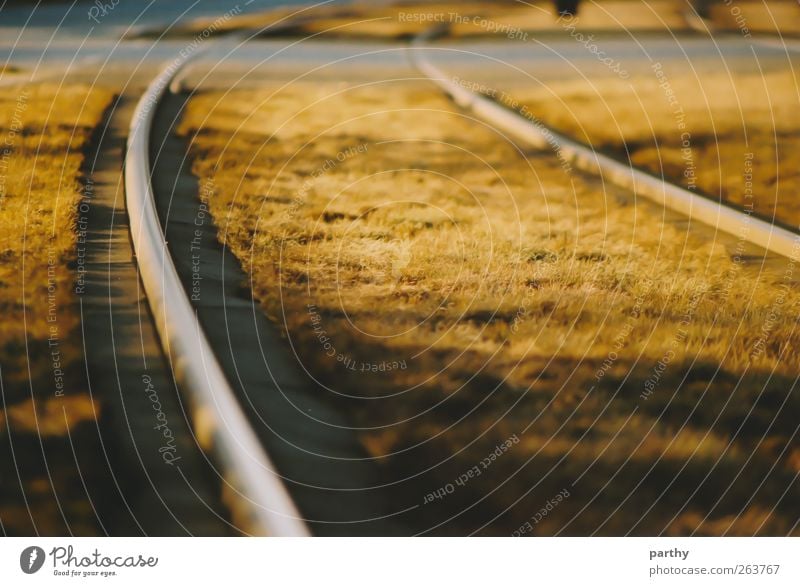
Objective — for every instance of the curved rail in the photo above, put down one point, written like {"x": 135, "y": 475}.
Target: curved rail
{"x": 259, "y": 500}
{"x": 744, "y": 226}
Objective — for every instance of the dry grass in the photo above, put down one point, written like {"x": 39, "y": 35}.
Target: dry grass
{"x": 521, "y": 300}
{"x": 43, "y": 129}
{"x": 741, "y": 130}
{"x": 758, "y": 16}
{"x": 401, "y": 20}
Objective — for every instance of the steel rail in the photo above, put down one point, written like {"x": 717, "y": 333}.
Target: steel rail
{"x": 697, "y": 207}
{"x": 259, "y": 500}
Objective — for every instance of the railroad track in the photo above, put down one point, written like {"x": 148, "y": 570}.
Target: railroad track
{"x": 259, "y": 500}
{"x": 262, "y": 502}
{"x": 718, "y": 217}
{"x": 284, "y": 474}
{"x": 721, "y": 217}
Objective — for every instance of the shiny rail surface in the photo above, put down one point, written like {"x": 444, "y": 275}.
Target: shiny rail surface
{"x": 259, "y": 500}
{"x": 697, "y": 207}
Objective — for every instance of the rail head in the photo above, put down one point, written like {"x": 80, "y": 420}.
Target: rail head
{"x": 697, "y": 207}
{"x": 257, "y": 496}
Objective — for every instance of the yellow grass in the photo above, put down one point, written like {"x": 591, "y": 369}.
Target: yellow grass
{"x": 729, "y": 135}
{"x": 463, "y": 276}
{"x": 757, "y": 16}
{"x": 43, "y": 129}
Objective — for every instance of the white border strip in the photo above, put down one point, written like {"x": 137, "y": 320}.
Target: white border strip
{"x": 263, "y": 505}
{"x": 696, "y": 207}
